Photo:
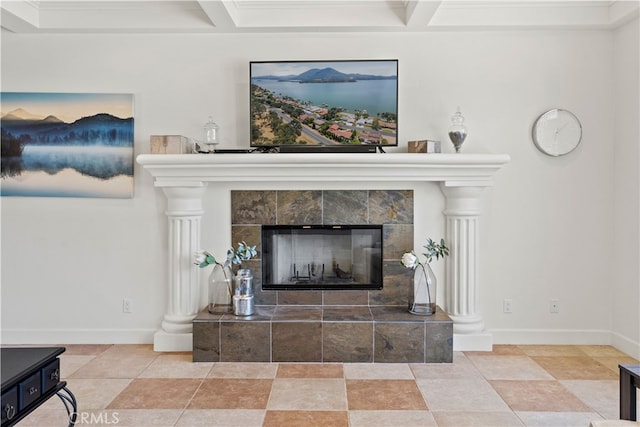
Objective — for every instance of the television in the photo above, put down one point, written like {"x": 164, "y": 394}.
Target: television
{"x": 324, "y": 104}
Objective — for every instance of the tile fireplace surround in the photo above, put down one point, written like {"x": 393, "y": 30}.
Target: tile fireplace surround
{"x": 330, "y": 325}
{"x": 184, "y": 179}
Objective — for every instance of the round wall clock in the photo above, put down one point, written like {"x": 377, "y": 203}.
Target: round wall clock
{"x": 557, "y": 132}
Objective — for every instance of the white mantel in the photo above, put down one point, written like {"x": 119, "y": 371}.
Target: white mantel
{"x": 462, "y": 177}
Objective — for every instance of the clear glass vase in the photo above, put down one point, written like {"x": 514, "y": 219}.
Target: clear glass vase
{"x": 220, "y": 282}
{"x": 422, "y": 295}
{"x": 457, "y": 131}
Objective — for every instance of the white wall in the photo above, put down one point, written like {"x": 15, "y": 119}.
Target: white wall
{"x": 546, "y": 231}
{"x": 626, "y": 283}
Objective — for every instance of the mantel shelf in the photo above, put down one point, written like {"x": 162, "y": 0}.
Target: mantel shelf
{"x": 171, "y": 170}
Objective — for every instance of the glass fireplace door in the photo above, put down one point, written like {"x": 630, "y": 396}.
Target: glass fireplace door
{"x": 322, "y": 257}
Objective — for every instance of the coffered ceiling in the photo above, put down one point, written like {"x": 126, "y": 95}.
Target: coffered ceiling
{"x": 252, "y": 16}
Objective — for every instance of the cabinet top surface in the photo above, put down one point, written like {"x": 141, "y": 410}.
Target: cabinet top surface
{"x": 634, "y": 370}
{"x": 18, "y": 362}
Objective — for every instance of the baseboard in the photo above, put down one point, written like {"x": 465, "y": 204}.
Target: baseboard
{"x": 626, "y": 345}
{"x": 164, "y": 341}
{"x": 481, "y": 341}
{"x": 76, "y": 336}
{"x": 551, "y": 336}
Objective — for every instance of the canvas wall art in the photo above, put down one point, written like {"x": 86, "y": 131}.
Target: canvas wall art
{"x": 67, "y": 144}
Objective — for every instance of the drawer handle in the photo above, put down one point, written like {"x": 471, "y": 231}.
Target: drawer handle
{"x": 55, "y": 375}
{"x": 10, "y": 410}
{"x": 33, "y": 390}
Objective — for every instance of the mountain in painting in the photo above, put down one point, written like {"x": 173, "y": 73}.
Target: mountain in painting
{"x": 52, "y": 119}
{"x": 20, "y": 114}
{"x": 99, "y": 129}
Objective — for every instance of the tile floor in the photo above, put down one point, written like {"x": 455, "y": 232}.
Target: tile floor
{"x": 131, "y": 385}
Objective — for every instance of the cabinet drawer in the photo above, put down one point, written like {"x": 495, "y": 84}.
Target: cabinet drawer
{"x": 9, "y": 406}
{"x": 50, "y": 375}
{"x": 29, "y": 390}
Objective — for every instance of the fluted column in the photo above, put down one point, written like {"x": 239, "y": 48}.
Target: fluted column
{"x": 184, "y": 213}
{"x": 462, "y": 212}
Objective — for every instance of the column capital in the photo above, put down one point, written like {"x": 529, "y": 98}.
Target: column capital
{"x": 184, "y": 201}
{"x": 461, "y": 200}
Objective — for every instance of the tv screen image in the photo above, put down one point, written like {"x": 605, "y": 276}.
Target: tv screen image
{"x": 324, "y": 103}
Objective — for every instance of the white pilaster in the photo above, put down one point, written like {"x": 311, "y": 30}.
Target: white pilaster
{"x": 184, "y": 212}
{"x": 462, "y": 212}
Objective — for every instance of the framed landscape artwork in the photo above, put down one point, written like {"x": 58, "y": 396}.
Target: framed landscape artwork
{"x": 67, "y": 145}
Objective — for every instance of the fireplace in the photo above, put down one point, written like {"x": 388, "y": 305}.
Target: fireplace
{"x": 321, "y": 257}
{"x": 382, "y": 217}
{"x": 184, "y": 179}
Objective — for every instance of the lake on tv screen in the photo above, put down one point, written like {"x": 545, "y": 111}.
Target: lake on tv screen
{"x": 375, "y": 96}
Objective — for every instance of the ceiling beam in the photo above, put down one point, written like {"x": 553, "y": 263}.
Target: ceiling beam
{"x": 621, "y": 12}
{"x": 222, "y": 14}
{"x": 418, "y": 13}
{"x": 19, "y": 16}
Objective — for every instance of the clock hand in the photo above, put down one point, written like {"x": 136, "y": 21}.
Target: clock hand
{"x": 557, "y": 131}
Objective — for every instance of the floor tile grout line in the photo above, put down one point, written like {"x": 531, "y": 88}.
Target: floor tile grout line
{"x": 106, "y": 407}
{"x": 189, "y": 401}
{"x": 346, "y": 394}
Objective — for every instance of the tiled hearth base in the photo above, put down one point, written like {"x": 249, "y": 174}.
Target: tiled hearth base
{"x": 285, "y": 333}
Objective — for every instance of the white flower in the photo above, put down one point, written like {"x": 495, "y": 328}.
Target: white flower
{"x": 244, "y": 252}
{"x": 200, "y": 257}
{"x": 409, "y": 260}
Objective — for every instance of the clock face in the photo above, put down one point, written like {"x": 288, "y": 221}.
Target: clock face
{"x": 557, "y": 132}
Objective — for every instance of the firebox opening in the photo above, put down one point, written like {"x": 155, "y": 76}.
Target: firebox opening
{"x": 321, "y": 257}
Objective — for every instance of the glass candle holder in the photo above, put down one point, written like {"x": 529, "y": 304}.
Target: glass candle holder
{"x": 457, "y": 131}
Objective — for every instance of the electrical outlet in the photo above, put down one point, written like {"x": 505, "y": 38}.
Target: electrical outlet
{"x": 554, "y": 306}
{"x": 507, "y": 306}
{"x": 127, "y": 305}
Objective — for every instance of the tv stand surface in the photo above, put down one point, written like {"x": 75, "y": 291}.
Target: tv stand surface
{"x": 295, "y": 149}
{"x": 233, "y": 150}
{"x": 328, "y": 149}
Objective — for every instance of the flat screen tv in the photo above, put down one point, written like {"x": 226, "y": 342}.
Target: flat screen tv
{"x": 324, "y": 103}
